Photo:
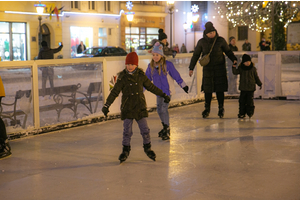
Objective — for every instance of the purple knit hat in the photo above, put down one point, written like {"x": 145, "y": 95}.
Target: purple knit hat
{"x": 158, "y": 48}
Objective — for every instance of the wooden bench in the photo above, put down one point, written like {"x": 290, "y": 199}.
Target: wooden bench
{"x": 63, "y": 97}
{"x": 93, "y": 94}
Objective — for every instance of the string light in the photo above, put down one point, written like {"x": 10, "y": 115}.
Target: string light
{"x": 257, "y": 14}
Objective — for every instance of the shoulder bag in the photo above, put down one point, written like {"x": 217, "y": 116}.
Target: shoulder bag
{"x": 206, "y": 59}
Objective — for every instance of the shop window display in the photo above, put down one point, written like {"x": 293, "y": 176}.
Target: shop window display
{"x": 78, "y": 34}
{"x": 13, "y": 41}
{"x": 140, "y": 36}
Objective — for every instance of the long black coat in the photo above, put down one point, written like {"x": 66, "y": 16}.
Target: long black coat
{"x": 214, "y": 74}
{"x": 133, "y": 104}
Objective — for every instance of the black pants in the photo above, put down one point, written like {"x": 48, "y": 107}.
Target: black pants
{"x": 246, "y": 103}
{"x": 220, "y": 98}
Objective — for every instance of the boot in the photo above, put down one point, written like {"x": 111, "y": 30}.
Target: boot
{"x": 241, "y": 116}
{"x": 206, "y": 112}
{"x": 149, "y": 152}
{"x": 221, "y": 111}
{"x": 124, "y": 155}
{"x": 162, "y": 130}
{"x": 5, "y": 149}
{"x": 166, "y": 133}
{"x": 250, "y": 111}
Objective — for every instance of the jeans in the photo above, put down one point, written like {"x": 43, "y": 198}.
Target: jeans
{"x": 162, "y": 110}
{"x": 127, "y": 132}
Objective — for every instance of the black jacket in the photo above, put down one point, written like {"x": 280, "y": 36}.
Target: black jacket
{"x": 79, "y": 49}
{"x": 248, "y": 77}
{"x": 133, "y": 104}
{"x": 214, "y": 74}
{"x": 233, "y": 48}
{"x": 47, "y": 53}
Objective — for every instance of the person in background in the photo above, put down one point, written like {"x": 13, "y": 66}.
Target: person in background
{"x": 5, "y": 149}
{"x": 232, "y": 79}
{"x": 162, "y": 38}
{"x": 176, "y": 48}
{"x": 248, "y": 81}
{"x": 214, "y": 73}
{"x": 81, "y": 47}
{"x": 131, "y": 82}
{"x": 48, "y": 72}
{"x": 161, "y": 72}
{"x": 246, "y": 46}
{"x": 183, "y": 49}
{"x": 264, "y": 45}
{"x": 232, "y": 45}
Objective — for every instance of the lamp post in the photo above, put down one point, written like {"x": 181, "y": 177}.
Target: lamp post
{"x": 195, "y": 19}
{"x": 171, "y": 11}
{"x": 185, "y": 27}
{"x": 40, "y": 9}
{"x": 130, "y": 16}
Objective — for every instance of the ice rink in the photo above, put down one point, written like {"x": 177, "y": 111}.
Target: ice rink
{"x": 205, "y": 159}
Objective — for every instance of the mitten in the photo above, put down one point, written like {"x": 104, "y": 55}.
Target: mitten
{"x": 186, "y": 89}
{"x": 167, "y": 98}
{"x": 260, "y": 87}
{"x": 105, "y": 110}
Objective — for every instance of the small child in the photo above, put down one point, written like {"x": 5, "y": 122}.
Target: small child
{"x": 161, "y": 71}
{"x": 132, "y": 81}
{"x": 248, "y": 81}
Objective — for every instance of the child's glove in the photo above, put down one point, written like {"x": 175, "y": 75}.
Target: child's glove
{"x": 260, "y": 87}
{"x": 186, "y": 89}
{"x": 167, "y": 98}
{"x": 105, "y": 110}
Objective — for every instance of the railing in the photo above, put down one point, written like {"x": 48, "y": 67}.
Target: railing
{"x": 91, "y": 78}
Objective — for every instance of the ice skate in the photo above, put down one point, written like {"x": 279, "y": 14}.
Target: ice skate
{"x": 166, "y": 133}
{"x": 5, "y": 150}
{"x": 149, "y": 152}
{"x": 124, "y": 155}
{"x": 221, "y": 112}
{"x": 241, "y": 116}
{"x": 161, "y": 132}
{"x": 206, "y": 112}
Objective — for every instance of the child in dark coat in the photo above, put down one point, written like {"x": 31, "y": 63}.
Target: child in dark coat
{"x": 131, "y": 82}
{"x": 248, "y": 80}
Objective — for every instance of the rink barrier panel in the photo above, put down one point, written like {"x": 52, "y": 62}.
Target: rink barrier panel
{"x": 268, "y": 66}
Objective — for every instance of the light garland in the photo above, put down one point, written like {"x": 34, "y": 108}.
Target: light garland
{"x": 256, "y": 14}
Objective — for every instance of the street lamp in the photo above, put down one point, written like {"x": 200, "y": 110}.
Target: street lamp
{"x": 195, "y": 19}
{"x": 130, "y": 16}
{"x": 40, "y": 9}
{"x": 185, "y": 27}
{"x": 171, "y": 11}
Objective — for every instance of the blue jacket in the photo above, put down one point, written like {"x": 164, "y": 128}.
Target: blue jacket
{"x": 162, "y": 82}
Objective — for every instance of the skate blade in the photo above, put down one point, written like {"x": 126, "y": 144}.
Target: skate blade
{"x": 7, "y": 156}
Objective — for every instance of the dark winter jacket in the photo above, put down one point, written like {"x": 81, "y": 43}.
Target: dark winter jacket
{"x": 248, "y": 77}
{"x": 214, "y": 74}
{"x": 47, "y": 53}
{"x": 133, "y": 104}
{"x": 233, "y": 48}
{"x": 162, "y": 81}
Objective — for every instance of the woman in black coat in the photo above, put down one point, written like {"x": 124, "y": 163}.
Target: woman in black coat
{"x": 214, "y": 73}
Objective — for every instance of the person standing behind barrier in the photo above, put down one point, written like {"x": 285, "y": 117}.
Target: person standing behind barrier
{"x": 162, "y": 73}
{"x": 214, "y": 73}
{"x": 248, "y": 80}
{"x": 81, "y": 47}
{"x": 5, "y": 149}
{"x": 132, "y": 81}
{"x": 246, "y": 46}
{"x": 183, "y": 49}
{"x": 232, "y": 82}
{"x": 48, "y": 72}
{"x": 162, "y": 37}
{"x": 264, "y": 45}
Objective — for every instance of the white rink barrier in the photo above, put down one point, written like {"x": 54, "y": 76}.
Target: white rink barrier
{"x": 279, "y": 72}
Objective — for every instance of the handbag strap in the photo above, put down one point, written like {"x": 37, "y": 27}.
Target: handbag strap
{"x": 212, "y": 45}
